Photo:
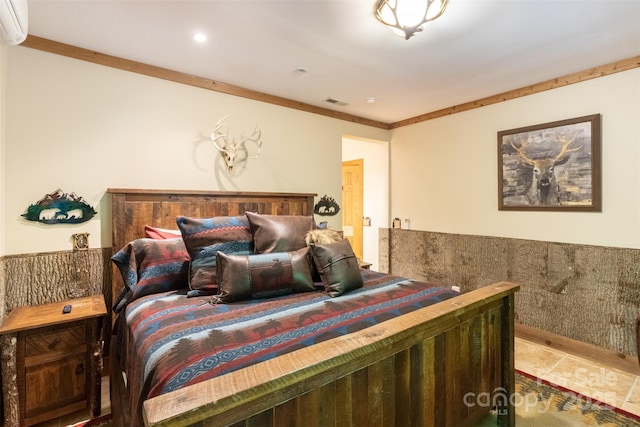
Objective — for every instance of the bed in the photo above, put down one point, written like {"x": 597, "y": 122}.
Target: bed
{"x": 422, "y": 361}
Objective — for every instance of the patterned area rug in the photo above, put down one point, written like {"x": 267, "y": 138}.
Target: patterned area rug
{"x": 541, "y": 404}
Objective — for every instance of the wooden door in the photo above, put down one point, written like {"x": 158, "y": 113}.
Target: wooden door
{"x": 352, "y": 189}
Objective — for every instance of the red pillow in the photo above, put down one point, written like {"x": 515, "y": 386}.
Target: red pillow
{"x": 160, "y": 233}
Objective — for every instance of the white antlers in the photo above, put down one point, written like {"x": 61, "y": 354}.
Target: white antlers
{"x": 229, "y": 149}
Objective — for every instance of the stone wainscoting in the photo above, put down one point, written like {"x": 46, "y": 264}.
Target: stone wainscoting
{"x": 588, "y": 293}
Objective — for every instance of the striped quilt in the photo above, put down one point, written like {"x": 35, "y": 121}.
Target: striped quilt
{"x": 173, "y": 341}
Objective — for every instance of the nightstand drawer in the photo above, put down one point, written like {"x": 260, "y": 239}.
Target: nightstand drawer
{"x": 65, "y": 339}
{"x": 56, "y": 384}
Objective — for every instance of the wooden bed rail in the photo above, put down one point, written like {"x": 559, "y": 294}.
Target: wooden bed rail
{"x": 421, "y": 369}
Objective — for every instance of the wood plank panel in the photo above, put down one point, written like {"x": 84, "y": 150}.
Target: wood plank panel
{"x": 327, "y": 405}
{"x": 474, "y": 364}
{"x": 374, "y": 396}
{"x": 485, "y": 350}
{"x": 286, "y": 414}
{"x": 264, "y": 419}
{"x": 360, "y": 387}
{"x": 451, "y": 372}
{"x": 310, "y": 407}
{"x": 344, "y": 402}
{"x": 466, "y": 354}
{"x": 404, "y": 405}
{"x": 506, "y": 413}
{"x": 424, "y": 388}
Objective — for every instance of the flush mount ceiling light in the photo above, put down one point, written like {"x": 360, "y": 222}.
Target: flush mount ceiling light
{"x": 200, "y": 37}
{"x": 407, "y": 17}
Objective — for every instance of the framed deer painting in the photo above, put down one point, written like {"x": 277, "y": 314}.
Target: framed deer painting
{"x": 551, "y": 167}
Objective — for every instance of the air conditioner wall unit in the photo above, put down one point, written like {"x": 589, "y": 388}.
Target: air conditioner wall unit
{"x": 13, "y": 21}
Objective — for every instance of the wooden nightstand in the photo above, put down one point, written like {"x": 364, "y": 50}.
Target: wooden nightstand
{"x": 58, "y": 358}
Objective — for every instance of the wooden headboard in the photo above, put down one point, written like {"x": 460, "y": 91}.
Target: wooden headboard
{"x": 132, "y": 209}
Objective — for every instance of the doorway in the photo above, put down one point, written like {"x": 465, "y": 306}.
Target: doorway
{"x": 374, "y": 155}
{"x": 352, "y": 203}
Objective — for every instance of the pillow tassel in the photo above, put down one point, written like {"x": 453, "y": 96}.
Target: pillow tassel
{"x": 215, "y": 300}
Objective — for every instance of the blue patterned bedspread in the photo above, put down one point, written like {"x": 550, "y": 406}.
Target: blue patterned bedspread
{"x": 173, "y": 341}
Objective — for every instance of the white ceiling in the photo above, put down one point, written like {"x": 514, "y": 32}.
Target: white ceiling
{"x": 476, "y": 49}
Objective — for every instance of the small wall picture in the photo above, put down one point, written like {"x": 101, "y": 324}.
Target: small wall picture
{"x": 551, "y": 167}
{"x": 326, "y": 206}
{"x": 60, "y": 208}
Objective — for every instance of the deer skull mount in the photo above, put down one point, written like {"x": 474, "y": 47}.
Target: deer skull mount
{"x": 231, "y": 150}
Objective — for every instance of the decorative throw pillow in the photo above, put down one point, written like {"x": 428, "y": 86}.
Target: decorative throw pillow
{"x": 204, "y": 238}
{"x": 150, "y": 266}
{"x": 279, "y": 233}
{"x": 320, "y": 236}
{"x": 263, "y": 275}
{"x": 338, "y": 267}
{"x": 161, "y": 233}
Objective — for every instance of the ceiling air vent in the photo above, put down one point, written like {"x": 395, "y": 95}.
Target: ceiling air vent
{"x": 336, "y": 102}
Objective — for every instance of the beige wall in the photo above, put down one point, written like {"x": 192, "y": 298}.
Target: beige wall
{"x": 3, "y": 128}
{"x": 444, "y": 171}
{"x": 3, "y": 91}
{"x": 84, "y": 128}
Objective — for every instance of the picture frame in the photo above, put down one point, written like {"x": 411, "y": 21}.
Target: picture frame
{"x": 551, "y": 166}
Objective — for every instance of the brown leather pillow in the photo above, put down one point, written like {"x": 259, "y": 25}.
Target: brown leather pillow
{"x": 244, "y": 277}
{"x": 279, "y": 233}
{"x": 338, "y": 267}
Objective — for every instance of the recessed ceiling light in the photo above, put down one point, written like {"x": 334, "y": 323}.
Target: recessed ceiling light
{"x": 200, "y": 37}
{"x": 370, "y": 100}
{"x": 301, "y": 70}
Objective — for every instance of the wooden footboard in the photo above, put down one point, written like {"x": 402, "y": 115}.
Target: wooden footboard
{"x": 425, "y": 368}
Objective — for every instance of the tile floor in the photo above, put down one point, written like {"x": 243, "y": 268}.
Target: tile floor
{"x": 610, "y": 385}
{"x": 606, "y": 384}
